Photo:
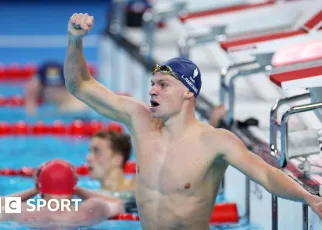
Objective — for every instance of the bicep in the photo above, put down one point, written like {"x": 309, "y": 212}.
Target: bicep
{"x": 107, "y": 103}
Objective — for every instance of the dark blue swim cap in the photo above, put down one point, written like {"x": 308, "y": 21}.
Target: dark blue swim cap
{"x": 187, "y": 72}
{"x": 51, "y": 73}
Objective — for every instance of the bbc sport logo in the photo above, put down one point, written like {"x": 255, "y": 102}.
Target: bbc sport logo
{"x": 13, "y": 205}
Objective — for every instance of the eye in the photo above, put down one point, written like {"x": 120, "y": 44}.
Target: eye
{"x": 163, "y": 85}
{"x": 96, "y": 151}
{"x": 152, "y": 84}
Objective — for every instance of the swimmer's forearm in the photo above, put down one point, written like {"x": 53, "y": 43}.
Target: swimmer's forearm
{"x": 283, "y": 186}
{"x": 25, "y": 195}
{"x": 32, "y": 91}
{"x": 75, "y": 66}
{"x": 86, "y": 194}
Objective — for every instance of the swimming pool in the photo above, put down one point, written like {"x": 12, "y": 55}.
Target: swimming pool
{"x": 31, "y": 151}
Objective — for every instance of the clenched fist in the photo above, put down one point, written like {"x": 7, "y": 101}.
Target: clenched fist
{"x": 80, "y": 24}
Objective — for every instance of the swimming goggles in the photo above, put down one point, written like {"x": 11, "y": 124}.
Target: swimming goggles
{"x": 164, "y": 69}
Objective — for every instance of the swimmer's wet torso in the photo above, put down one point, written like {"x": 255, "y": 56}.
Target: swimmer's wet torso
{"x": 177, "y": 180}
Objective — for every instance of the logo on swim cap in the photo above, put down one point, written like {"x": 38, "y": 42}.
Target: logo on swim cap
{"x": 53, "y": 76}
{"x": 195, "y": 73}
{"x": 187, "y": 72}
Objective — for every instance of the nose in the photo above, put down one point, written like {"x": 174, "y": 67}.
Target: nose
{"x": 153, "y": 91}
{"x": 89, "y": 157}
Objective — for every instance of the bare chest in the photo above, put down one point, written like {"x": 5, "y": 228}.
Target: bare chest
{"x": 175, "y": 167}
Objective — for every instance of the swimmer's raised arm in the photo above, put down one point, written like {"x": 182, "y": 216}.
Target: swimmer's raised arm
{"x": 32, "y": 91}
{"x": 235, "y": 153}
{"x": 24, "y": 195}
{"x": 82, "y": 85}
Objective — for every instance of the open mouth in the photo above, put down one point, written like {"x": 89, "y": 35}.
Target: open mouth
{"x": 154, "y": 104}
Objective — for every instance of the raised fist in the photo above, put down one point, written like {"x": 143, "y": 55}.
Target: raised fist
{"x": 80, "y": 24}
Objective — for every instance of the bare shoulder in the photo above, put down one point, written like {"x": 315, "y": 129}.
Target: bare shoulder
{"x": 219, "y": 138}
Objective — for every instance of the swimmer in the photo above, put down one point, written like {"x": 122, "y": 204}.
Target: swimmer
{"x": 57, "y": 180}
{"x": 50, "y": 85}
{"x": 108, "y": 153}
{"x": 180, "y": 160}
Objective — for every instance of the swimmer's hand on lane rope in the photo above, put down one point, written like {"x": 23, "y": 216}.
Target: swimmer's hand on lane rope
{"x": 80, "y": 24}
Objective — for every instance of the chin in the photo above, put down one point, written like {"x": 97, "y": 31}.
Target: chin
{"x": 158, "y": 116}
{"x": 154, "y": 115}
{"x": 93, "y": 175}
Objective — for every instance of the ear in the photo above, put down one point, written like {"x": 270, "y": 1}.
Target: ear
{"x": 188, "y": 94}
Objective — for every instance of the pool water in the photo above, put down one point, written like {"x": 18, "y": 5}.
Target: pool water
{"x": 129, "y": 225}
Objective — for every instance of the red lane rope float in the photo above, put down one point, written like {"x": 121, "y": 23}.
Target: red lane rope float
{"x": 129, "y": 168}
{"x": 223, "y": 213}
{"x": 15, "y": 71}
{"x": 19, "y": 100}
{"x": 14, "y": 101}
{"x": 58, "y": 128}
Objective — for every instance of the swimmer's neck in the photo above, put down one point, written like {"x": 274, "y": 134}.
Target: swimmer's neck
{"x": 114, "y": 180}
{"x": 174, "y": 127}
